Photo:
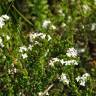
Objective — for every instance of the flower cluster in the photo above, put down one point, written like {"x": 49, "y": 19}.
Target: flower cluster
{"x": 33, "y": 36}
{"x": 82, "y": 79}
{"x": 60, "y": 11}
{"x": 64, "y": 78}
{"x": 53, "y": 60}
{"x": 7, "y": 37}
{"x": 23, "y": 49}
{"x": 3, "y": 18}
{"x": 68, "y": 62}
{"x": 12, "y": 70}
{"x": 86, "y": 8}
{"x": 46, "y": 23}
{"x": 71, "y": 52}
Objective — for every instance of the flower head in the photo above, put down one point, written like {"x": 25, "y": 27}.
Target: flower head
{"x": 71, "y": 52}
{"x": 2, "y": 23}
{"x": 23, "y": 48}
{"x": 46, "y": 23}
{"x": 82, "y": 79}
{"x": 3, "y": 18}
{"x": 8, "y": 37}
{"x": 24, "y": 56}
{"x": 64, "y": 79}
{"x": 6, "y": 17}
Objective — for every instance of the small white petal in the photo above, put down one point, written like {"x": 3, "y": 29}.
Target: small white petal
{"x": 93, "y": 26}
{"x": 5, "y": 17}
{"x": 23, "y": 48}
{"x": 82, "y": 83}
{"x": 1, "y": 24}
{"x": 7, "y": 37}
{"x": 24, "y": 56}
{"x": 53, "y": 27}
{"x": 49, "y": 38}
{"x": 64, "y": 79}
{"x": 71, "y": 52}
{"x": 40, "y": 93}
{"x": 46, "y": 23}
{"x": 78, "y": 78}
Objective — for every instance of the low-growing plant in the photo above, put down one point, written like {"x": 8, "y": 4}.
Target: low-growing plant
{"x": 45, "y": 48}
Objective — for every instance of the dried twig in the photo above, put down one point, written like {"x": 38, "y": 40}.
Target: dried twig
{"x": 22, "y": 16}
{"x": 47, "y": 90}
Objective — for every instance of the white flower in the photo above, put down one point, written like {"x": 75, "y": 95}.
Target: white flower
{"x": 83, "y": 26}
{"x": 46, "y": 52}
{"x": 64, "y": 79}
{"x": 53, "y": 27}
{"x": 78, "y": 78}
{"x": 46, "y": 23}
{"x": 9, "y": 71}
{"x": 62, "y": 61}
{"x": 8, "y": 37}
{"x": 23, "y": 48}
{"x": 1, "y": 42}
{"x": 36, "y": 43}
{"x": 2, "y": 19}
{"x": 33, "y": 36}
{"x": 81, "y": 50}
{"x": 69, "y": 18}
{"x": 82, "y": 80}
{"x": 20, "y": 93}
{"x": 71, "y": 62}
{"x": 1, "y": 24}
{"x": 60, "y": 11}
{"x": 47, "y": 94}
{"x": 4, "y": 57}
{"x": 82, "y": 83}
{"x": 30, "y": 47}
{"x": 5, "y": 17}
{"x": 24, "y": 56}
{"x": 85, "y": 76}
{"x": 93, "y": 26}
{"x": 2, "y": 45}
{"x": 63, "y": 24}
{"x": 15, "y": 70}
{"x": 71, "y": 52}
{"x": 51, "y": 63}
{"x": 43, "y": 36}
{"x": 54, "y": 60}
{"x": 86, "y": 8}
{"x": 40, "y": 93}
{"x": 49, "y": 37}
